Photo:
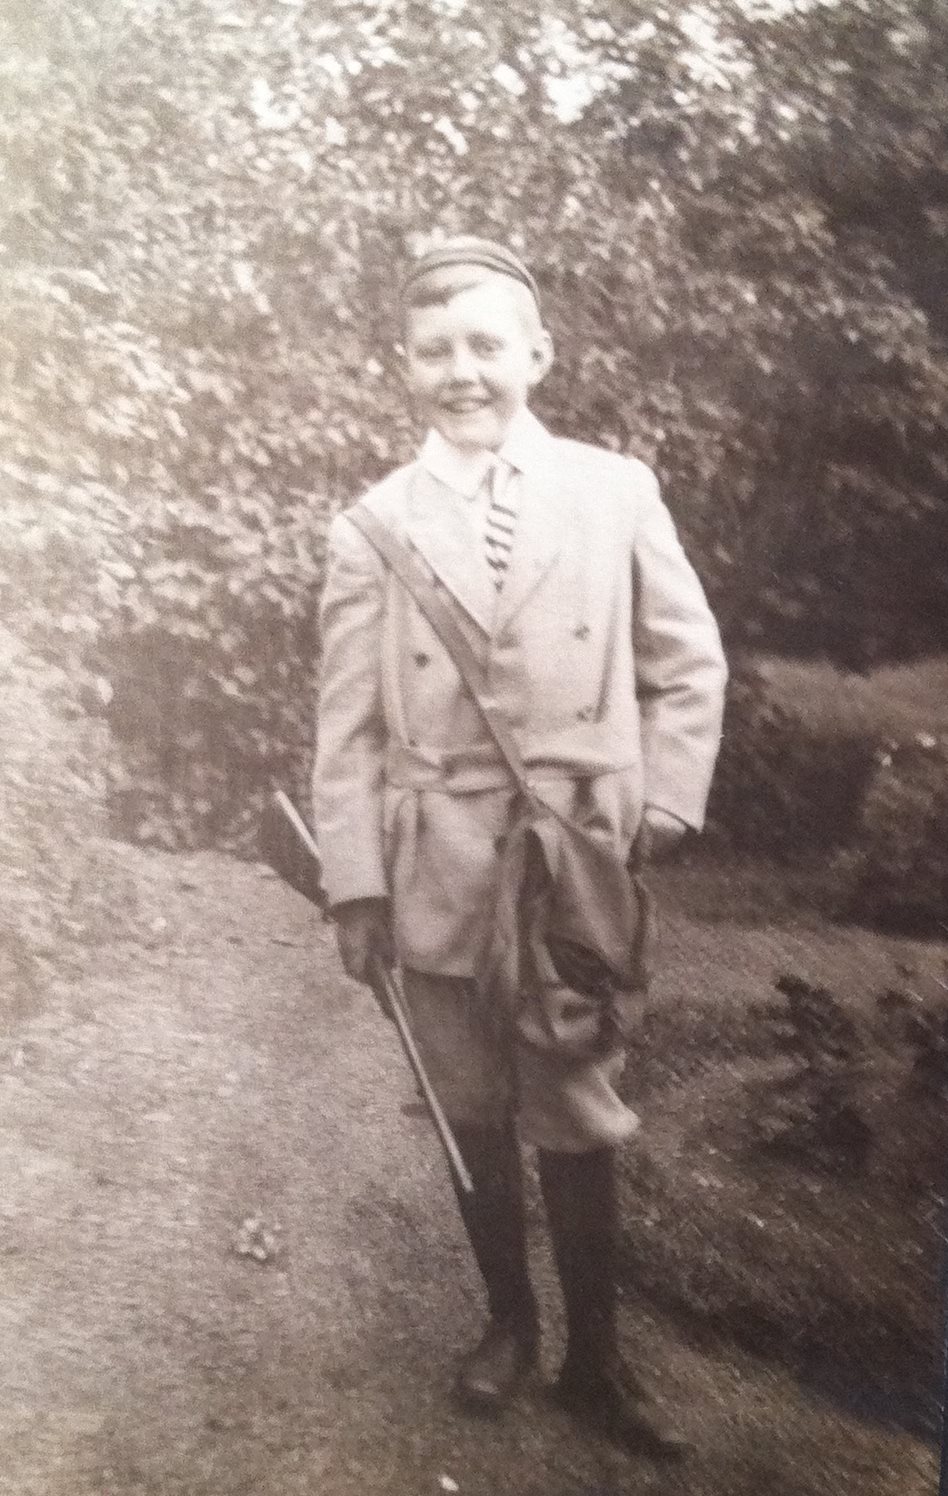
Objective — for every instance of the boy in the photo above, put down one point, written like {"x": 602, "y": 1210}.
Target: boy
{"x": 563, "y": 568}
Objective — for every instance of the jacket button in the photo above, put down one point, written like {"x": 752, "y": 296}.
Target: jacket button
{"x": 422, "y": 659}
{"x": 584, "y": 714}
{"x": 581, "y": 631}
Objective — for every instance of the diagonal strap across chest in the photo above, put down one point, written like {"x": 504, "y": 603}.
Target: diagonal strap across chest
{"x": 403, "y": 563}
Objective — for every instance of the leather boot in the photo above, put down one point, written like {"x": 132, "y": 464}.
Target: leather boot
{"x": 581, "y": 1198}
{"x": 494, "y": 1218}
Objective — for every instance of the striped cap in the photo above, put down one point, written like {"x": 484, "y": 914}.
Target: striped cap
{"x": 467, "y": 249}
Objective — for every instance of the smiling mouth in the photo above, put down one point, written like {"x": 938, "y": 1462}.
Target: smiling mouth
{"x": 464, "y": 407}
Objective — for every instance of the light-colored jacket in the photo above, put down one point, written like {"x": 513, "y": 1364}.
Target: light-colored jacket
{"x": 600, "y": 650}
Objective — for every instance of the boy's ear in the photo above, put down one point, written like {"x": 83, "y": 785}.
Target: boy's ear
{"x": 541, "y": 355}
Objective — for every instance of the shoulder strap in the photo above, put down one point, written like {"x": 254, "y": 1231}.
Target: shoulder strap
{"x": 404, "y": 564}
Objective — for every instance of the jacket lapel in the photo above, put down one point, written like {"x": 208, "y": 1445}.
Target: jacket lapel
{"x": 441, "y": 527}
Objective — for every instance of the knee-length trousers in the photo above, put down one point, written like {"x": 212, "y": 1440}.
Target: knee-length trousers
{"x": 560, "y": 1104}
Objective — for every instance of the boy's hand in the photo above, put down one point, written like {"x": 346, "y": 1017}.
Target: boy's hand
{"x": 364, "y": 935}
{"x": 662, "y": 834}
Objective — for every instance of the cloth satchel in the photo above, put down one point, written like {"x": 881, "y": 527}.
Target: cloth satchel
{"x": 572, "y": 925}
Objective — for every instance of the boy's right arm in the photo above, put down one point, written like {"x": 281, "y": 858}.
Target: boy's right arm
{"x": 350, "y": 747}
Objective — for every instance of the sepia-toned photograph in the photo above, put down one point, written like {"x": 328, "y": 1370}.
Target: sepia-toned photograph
{"x": 473, "y": 747}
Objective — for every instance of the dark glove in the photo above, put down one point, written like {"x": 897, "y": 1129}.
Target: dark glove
{"x": 660, "y": 835}
{"x": 364, "y": 938}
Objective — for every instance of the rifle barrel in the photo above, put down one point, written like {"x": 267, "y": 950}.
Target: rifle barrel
{"x": 385, "y": 979}
{"x": 394, "y": 997}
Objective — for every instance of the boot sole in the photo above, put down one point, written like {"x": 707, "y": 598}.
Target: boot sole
{"x": 637, "y": 1437}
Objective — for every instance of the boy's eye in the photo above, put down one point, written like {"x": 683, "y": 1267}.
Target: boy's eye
{"x": 482, "y": 345}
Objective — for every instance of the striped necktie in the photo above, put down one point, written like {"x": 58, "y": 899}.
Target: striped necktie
{"x": 499, "y": 522}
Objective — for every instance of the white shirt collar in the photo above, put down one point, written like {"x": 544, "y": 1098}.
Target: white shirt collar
{"x": 464, "y": 471}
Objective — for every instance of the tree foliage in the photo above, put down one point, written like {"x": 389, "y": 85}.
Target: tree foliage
{"x": 737, "y": 213}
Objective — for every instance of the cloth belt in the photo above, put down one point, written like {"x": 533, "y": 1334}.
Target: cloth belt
{"x": 575, "y": 753}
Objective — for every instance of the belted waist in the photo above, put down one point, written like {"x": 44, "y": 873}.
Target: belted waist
{"x": 580, "y": 752}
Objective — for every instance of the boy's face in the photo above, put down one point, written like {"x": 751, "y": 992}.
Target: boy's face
{"x": 471, "y": 362}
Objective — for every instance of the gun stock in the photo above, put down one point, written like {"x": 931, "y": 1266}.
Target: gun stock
{"x": 288, "y": 847}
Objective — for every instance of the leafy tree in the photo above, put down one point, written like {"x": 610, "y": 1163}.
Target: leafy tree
{"x": 737, "y": 214}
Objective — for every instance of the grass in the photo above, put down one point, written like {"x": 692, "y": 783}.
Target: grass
{"x": 833, "y": 1271}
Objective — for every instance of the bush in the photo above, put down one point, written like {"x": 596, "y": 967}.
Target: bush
{"x": 63, "y": 891}
{"x": 786, "y": 1184}
{"x": 784, "y": 784}
{"x": 64, "y": 553}
{"x": 896, "y": 872}
{"x": 810, "y": 1109}
{"x": 211, "y": 658}
{"x": 61, "y": 894}
{"x": 814, "y": 760}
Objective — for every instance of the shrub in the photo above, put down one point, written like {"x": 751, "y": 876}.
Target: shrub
{"x": 896, "y": 872}
{"x": 786, "y": 1184}
{"x": 922, "y": 1028}
{"x": 811, "y": 1109}
{"x": 782, "y": 783}
{"x": 60, "y": 565}
{"x": 211, "y": 657}
{"x": 61, "y": 896}
{"x": 64, "y": 553}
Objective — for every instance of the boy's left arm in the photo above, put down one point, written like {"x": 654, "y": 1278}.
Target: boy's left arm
{"x": 680, "y": 674}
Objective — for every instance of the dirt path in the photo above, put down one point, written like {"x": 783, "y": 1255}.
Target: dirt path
{"x": 225, "y": 1071}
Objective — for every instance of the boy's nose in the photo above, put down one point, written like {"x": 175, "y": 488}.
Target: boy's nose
{"x": 462, "y": 364}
